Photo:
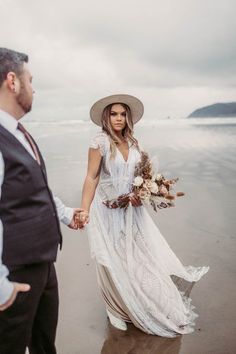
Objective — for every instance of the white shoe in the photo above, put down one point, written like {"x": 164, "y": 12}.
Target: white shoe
{"x": 117, "y": 322}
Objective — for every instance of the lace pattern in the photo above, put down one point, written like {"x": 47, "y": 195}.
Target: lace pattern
{"x": 100, "y": 141}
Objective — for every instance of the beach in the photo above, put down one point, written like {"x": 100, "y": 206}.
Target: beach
{"x": 200, "y": 230}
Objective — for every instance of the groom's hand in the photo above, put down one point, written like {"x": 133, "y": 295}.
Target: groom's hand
{"x": 74, "y": 224}
{"x": 83, "y": 219}
{"x": 18, "y": 287}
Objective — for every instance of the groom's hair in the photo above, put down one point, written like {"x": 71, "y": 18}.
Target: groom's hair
{"x": 10, "y": 60}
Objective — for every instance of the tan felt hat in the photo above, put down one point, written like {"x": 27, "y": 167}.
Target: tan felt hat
{"x": 134, "y": 104}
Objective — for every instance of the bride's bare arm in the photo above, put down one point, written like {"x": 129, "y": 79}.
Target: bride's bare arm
{"x": 92, "y": 178}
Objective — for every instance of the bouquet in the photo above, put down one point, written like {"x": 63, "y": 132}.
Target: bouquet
{"x": 148, "y": 187}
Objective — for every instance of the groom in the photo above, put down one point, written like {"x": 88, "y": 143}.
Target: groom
{"x": 29, "y": 222}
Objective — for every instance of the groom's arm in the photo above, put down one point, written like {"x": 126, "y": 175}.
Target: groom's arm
{"x": 65, "y": 214}
{"x": 8, "y": 290}
{"x": 68, "y": 216}
{"x": 6, "y": 287}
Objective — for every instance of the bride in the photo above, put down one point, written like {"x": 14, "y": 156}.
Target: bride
{"x": 135, "y": 265}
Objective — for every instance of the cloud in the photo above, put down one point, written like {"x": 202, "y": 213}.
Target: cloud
{"x": 80, "y": 51}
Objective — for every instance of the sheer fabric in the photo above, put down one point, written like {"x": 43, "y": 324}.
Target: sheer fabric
{"x": 138, "y": 258}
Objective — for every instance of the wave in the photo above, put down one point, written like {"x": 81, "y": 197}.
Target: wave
{"x": 145, "y": 122}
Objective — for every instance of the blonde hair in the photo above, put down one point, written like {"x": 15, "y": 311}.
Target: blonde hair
{"x": 127, "y": 131}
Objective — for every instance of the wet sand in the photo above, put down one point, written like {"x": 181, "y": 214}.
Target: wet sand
{"x": 200, "y": 230}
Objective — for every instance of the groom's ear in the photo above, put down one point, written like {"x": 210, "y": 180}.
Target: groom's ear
{"x": 12, "y": 82}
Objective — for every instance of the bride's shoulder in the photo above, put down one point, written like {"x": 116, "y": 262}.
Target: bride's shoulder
{"x": 100, "y": 137}
{"x": 102, "y": 134}
{"x": 100, "y": 141}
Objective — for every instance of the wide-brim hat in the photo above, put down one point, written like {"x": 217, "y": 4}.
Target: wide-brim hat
{"x": 134, "y": 104}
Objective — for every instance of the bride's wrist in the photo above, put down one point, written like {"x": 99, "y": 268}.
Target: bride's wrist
{"x": 84, "y": 213}
{"x": 85, "y": 209}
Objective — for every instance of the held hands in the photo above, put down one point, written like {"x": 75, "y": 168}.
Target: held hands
{"x": 80, "y": 218}
{"x": 18, "y": 287}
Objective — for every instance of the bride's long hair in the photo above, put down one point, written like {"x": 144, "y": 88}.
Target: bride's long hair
{"x": 127, "y": 131}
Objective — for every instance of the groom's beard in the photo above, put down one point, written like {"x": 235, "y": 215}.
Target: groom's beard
{"x": 23, "y": 99}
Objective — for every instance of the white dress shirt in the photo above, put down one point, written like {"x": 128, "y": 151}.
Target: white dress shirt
{"x": 64, "y": 213}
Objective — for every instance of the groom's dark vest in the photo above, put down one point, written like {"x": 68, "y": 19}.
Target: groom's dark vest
{"x": 31, "y": 231}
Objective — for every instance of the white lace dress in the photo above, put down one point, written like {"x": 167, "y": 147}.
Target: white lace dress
{"x": 131, "y": 248}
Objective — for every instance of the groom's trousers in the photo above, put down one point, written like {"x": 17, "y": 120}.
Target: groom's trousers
{"x": 32, "y": 319}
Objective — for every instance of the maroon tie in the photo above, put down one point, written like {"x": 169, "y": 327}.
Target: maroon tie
{"x": 30, "y": 141}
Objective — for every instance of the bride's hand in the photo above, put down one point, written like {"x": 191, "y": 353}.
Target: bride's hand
{"x": 83, "y": 219}
{"x": 135, "y": 201}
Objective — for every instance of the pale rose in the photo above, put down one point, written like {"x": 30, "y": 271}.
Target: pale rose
{"x": 138, "y": 181}
{"x": 144, "y": 194}
{"x": 154, "y": 188}
{"x": 163, "y": 190}
{"x": 148, "y": 184}
{"x": 158, "y": 177}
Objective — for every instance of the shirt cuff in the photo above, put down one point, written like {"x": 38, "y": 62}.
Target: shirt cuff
{"x": 68, "y": 216}
{"x": 6, "y": 290}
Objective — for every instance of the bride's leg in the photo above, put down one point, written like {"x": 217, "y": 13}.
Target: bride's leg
{"x": 115, "y": 308}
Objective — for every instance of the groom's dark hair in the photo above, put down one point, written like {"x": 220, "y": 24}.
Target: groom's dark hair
{"x": 10, "y": 60}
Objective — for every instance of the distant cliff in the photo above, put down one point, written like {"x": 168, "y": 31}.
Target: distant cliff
{"x": 215, "y": 110}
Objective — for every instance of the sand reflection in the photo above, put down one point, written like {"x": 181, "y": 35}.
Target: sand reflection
{"x": 133, "y": 341}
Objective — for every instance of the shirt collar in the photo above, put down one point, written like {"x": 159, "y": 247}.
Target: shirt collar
{"x": 8, "y": 121}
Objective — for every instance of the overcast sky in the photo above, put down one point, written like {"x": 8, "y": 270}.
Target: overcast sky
{"x": 175, "y": 55}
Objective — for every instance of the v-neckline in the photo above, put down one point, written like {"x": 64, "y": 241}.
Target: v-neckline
{"x": 123, "y": 155}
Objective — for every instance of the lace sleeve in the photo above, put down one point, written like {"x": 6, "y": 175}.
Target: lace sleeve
{"x": 99, "y": 142}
